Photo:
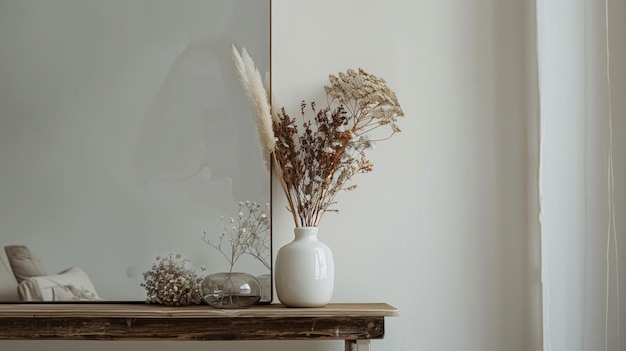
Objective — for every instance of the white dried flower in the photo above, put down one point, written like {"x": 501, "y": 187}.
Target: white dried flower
{"x": 250, "y": 236}
{"x": 257, "y": 97}
{"x": 171, "y": 283}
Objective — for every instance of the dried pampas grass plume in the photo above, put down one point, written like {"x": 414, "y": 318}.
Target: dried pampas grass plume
{"x": 257, "y": 97}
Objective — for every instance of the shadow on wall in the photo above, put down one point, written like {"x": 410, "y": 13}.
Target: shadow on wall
{"x": 197, "y": 136}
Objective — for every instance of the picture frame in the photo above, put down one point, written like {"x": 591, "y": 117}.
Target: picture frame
{"x": 126, "y": 135}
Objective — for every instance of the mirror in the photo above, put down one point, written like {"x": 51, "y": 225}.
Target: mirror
{"x": 124, "y": 133}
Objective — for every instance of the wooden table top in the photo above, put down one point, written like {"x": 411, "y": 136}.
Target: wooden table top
{"x": 141, "y": 310}
{"x": 140, "y": 321}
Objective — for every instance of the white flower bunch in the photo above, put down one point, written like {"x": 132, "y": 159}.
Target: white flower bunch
{"x": 170, "y": 282}
{"x": 245, "y": 234}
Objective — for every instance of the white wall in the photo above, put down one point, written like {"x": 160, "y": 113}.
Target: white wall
{"x": 439, "y": 228}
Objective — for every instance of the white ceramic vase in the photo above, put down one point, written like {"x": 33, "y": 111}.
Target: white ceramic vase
{"x": 305, "y": 271}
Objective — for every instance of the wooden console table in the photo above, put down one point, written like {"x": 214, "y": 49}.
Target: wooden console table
{"x": 356, "y": 324}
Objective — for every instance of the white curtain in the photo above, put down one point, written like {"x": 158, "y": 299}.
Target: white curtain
{"x": 582, "y": 178}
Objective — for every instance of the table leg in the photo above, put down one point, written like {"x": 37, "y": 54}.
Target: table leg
{"x": 358, "y": 345}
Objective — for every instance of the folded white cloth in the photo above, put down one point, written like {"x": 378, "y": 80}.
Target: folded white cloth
{"x": 72, "y": 284}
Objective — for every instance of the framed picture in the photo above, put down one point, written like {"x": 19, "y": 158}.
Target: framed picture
{"x": 125, "y": 134}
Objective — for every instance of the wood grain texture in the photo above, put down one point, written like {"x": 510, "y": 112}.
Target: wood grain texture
{"x": 147, "y": 322}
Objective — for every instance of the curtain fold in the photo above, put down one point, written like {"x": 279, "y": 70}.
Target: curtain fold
{"x": 581, "y": 177}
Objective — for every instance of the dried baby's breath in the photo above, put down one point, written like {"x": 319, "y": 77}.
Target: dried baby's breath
{"x": 245, "y": 234}
{"x": 170, "y": 282}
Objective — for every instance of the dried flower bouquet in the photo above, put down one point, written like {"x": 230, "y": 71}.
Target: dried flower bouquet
{"x": 316, "y": 159}
{"x": 171, "y": 282}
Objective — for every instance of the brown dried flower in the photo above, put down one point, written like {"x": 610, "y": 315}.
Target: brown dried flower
{"x": 171, "y": 283}
{"x": 314, "y": 164}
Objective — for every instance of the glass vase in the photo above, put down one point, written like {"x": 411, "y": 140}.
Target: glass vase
{"x": 266, "y": 287}
{"x": 231, "y": 290}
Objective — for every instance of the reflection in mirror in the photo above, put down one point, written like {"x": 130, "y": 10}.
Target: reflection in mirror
{"x": 124, "y": 134}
